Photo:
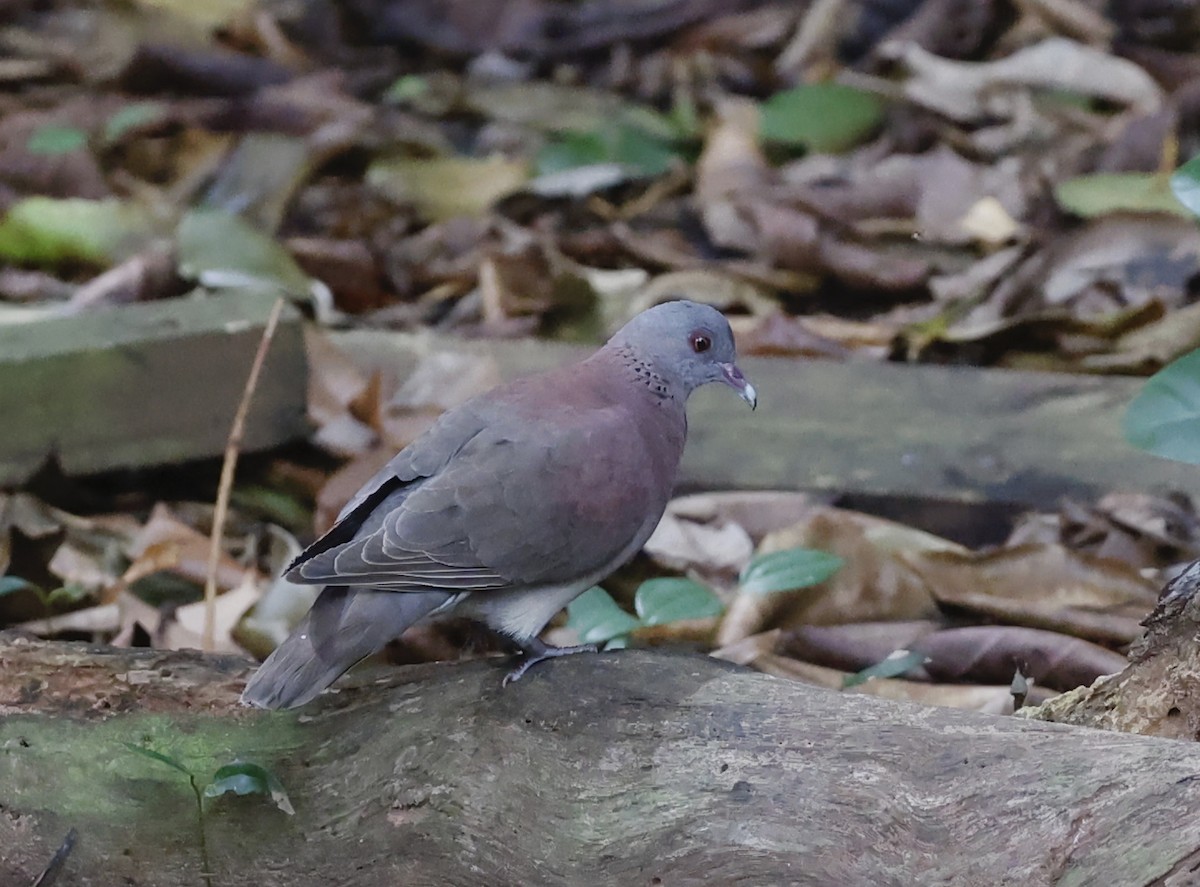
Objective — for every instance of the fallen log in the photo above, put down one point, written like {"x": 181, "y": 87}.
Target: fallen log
{"x": 637, "y": 767}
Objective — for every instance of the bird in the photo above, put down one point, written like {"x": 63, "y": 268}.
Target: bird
{"x": 510, "y": 506}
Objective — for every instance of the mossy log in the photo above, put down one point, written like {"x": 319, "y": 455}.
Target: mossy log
{"x": 629, "y": 768}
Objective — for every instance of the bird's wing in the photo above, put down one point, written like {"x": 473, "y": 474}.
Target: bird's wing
{"x": 494, "y": 505}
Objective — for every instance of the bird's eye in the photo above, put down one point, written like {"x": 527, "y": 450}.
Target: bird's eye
{"x": 700, "y": 343}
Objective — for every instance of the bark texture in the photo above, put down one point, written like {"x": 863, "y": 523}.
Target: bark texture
{"x": 630, "y": 768}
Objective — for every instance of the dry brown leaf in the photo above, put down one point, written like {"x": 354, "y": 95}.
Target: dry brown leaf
{"x": 1042, "y": 586}
{"x": 855, "y": 646}
{"x": 83, "y": 565}
{"x": 780, "y": 335}
{"x": 876, "y": 584}
{"x": 731, "y": 162}
{"x": 722, "y": 291}
{"x": 758, "y": 651}
{"x": 993, "y": 653}
{"x": 100, "y": 619}
{"x": 704, "y": 547}
{"x": 167, "y": 543}
{"x": 973, "y": 91}
{"x": 716, "y": 532}
{"x": 183, "y": 628}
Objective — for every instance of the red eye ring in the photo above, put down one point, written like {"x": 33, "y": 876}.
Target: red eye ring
{"x": 700, "y": 343}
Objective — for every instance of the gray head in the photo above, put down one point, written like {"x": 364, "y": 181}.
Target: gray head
{"x": 687, "y": 344}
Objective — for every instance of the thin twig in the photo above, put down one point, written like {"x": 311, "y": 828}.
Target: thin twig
{"x": 50, "y": 875}
{"x": 227, "y": 470}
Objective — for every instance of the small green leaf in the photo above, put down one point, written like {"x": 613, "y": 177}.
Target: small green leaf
{"x": 596, "y": 617}
{"x": 46, "y": 230}
{"x": 13, "y": 584}
{"x": 659, "y": 601}
{"x": 56, "y": 140}
{"x": 66, "y": 594}
{"x": 246, "y": 778}
{"x": 406, "y": 88}
{"x": 788, "y": 570}
{"x": 623, "y": 143}
{"x": 157, "y": 756}
{"x": 1102, "y": 193}
{"x": 823, "y": 117}
{"x": 1186, "y": 185}
{"x": 896, "y": 664}
{"x": 1164, "y": 418}
{"x": 222, "y": 250}
{"x": 130, "y": 117}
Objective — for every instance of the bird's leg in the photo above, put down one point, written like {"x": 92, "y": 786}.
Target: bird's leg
{"x": 535, "y": 651}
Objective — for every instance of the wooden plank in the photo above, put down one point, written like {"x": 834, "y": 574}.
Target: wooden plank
{"x": 147, "y": 384}
{"x": 960, "y": 434}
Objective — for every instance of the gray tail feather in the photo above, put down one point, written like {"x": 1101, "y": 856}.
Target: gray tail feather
{"x": 343, "y": 626}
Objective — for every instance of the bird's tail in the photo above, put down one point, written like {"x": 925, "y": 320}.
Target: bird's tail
{"x": 344, "y": 625}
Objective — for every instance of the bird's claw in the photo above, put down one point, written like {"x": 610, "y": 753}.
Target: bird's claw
{"x": 536, "y": 652}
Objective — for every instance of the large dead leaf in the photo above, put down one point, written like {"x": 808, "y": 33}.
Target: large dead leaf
{"x": 855, "y": 646}
{"x": 758, "y": 651}
{"x": 877, "y": 582}
{"x": 715, "y": 533}
{"x": 994, "y": 653}
{"x": 168, "y": 544}
{"x": 971, "y": 91}
{"x": 1041, "y": 586}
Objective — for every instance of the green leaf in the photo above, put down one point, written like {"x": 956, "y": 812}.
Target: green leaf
{"x": 1102, "y": 193}
{"x": 1186, "y": 184}
{"x": 788, "y": 570}
{"x": 896, "y": 664}
{"x": 246, "y": 778}
{"x": 823, "y": 117}
{"x": 1164, "y": 418}
{"x": 659, "y": 601}
{"x": 625, "y": 144}
{"x": 56, "y": 140}
{"x": 45, "y": 230}
{"x": 130, "y": 117}
{"x": 406, "y": 88}
{"x": 157, "y": 756}
{"x": 222, "y": 250}
{"x": 13, "y": 584}
{"x": 66, "y": 594}
{"x": 596, "y": 617}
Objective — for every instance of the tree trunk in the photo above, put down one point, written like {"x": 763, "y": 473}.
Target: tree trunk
{"x": 631, "y": 768}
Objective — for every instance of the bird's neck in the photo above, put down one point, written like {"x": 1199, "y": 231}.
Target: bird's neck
{"x": 643, "y": 374}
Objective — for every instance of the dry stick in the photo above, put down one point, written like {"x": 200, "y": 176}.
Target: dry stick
{"x": 227, "y": 469}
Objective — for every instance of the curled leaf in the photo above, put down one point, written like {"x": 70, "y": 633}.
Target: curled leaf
{"x": 247, "y": 778}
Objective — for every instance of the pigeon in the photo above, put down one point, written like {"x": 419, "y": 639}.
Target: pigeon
{"x": 510, "y": 506}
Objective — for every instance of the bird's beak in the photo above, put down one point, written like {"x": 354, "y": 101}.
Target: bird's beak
{"x": 739, "y": 383}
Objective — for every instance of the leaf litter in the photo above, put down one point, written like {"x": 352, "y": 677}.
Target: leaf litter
{"x": 847, "y": 186}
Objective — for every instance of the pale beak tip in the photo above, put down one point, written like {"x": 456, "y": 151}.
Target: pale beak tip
{"x": 750, "y": 395}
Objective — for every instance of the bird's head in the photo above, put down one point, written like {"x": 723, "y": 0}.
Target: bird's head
{"x": 688, "y": 344}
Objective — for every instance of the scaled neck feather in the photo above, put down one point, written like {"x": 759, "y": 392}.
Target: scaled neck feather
{"x": 643, "y": 373}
